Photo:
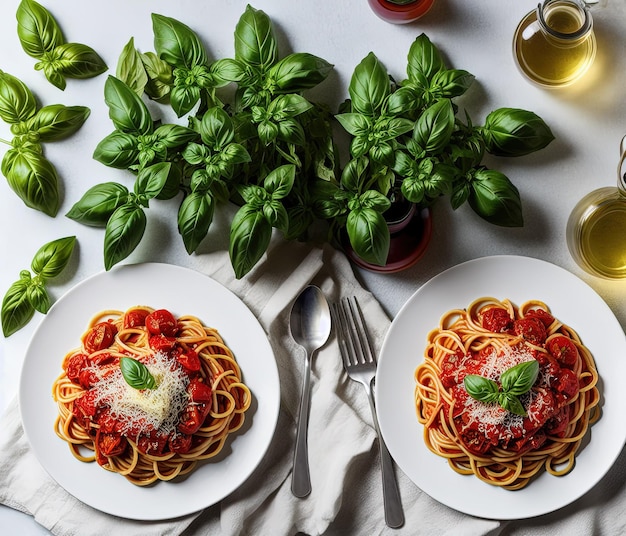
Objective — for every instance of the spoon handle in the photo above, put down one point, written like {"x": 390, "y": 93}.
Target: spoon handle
{"x": 300, "y": 478}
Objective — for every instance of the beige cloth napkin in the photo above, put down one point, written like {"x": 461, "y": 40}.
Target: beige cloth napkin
{"x": 346, "y": 498}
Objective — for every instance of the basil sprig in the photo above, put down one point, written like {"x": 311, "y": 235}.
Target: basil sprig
{"x": 41, "y": 38}
{"x": 514, "y": 381}
{"x": 136, "y": 374}
{"x": 29, "y": 173}
{"x": 29, "y": 294}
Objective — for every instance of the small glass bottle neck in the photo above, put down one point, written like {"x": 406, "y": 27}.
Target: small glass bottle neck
{"x": 576, "y": 6}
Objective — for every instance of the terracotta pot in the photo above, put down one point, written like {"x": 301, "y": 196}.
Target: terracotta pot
{"x": 410, "y": 236}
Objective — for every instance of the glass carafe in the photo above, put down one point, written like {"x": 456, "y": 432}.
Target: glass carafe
{"x": 596, "y": 229}
{"x": 555, "y": 45}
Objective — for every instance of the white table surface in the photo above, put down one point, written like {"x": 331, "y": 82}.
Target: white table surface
{"x": 588, "y": 121}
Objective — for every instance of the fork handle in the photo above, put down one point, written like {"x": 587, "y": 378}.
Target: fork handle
{"x": 394, "y": 515}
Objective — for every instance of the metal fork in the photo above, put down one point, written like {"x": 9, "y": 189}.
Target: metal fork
{"x": 359, "y": 362}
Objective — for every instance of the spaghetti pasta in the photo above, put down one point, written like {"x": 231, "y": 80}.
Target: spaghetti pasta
{"x": 149, "y": 434}
{"x": 496, "y": 445}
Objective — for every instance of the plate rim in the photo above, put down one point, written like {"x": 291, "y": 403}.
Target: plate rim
{"x": 165, "y": 507}
{"x": 530, "y": 509}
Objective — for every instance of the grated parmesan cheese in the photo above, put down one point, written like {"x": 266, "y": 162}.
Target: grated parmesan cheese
{"x": 147, "y": 409}
{"x": 493, "y": 415}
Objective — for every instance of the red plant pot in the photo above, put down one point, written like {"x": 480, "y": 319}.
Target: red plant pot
{"x": 400, "y": 13}
{"x": 409, "y": 239}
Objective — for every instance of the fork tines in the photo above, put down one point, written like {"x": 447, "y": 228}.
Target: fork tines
{"x": 354, "y": 342}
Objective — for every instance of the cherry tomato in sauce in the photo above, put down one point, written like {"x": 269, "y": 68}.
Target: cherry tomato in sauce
{"x": 563, "y": 349}
{"x": 190, "y": 420}
{"x": 545, "y": 317}
{"x": 135, "y": 318}
{"x": 110, "y": 444}
{"x": 99, "y": 337}
{"x": 152, "y": 443}
{"x": 180, "y": 443}
{"x": 75, "y": 365}
{"x": 530, "y": 329}
{"x": 162, "y": 343}
{"x": 496, "y": 320}
{"x": 188, "y": 359}
{"x": 163, "y": 322}
{"x": 567, "y": 384}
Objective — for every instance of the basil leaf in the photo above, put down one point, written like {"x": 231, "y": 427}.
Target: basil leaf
{"x": 279, "y": 181}
{"x": 75, "y": 60}
{"x": 52, "y": 258}
{"x": 519, "y": 379}
{"x": 37, "y": 29}
{"x": 130, "y": 68}
{"x": 297, "y": 72}
{"x": 511, "y": 403}
{"x": 136, "y": 374}
{"x": 255, "y": 43}
{"x": 276, "y": 215}
{"x": 174, "y": 136}
{"x": 152, "y": 179}
{"x": 369, "y": 235}
{"x": 98, "y": 203}
{"x": 57, "y": 122}
{"x": 184, "y": 98}
{"x": 123, "y": 233}
{"x": 354, "y": 123}
{"x": 450, "y": 83}
{"x": 118, "y": 150}
{"x": 194, "y": 219}
{"x": 495, "y": 198}
{"x": 353, "y": 175}
{"x": 176, "y": 43}
{"x": 514, "y": 132}
{"x": 17, "y": 102}
{"x": 250, "y": 235}
{"x": 33, "y": 178}
{"x": 481, "y": 388}
{"x": 38, "y": 297}
{"x": 160, "y": 77}
{"x": 424, "y": 60}
{"x": 404, "y": 100}
{"x": 369, "y": 86}
{"x": 16, "y": 310}
{"x": 216, "y": 128}
{"x": 126, "y": 109}
{"x": 435, "y": 126}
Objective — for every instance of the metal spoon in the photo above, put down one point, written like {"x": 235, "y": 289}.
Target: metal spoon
{"x": 310, "y": 327}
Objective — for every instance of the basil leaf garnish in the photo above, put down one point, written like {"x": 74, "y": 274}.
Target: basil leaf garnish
{"x": 515, "y": 381}
{"x": 481, "y": 388}
{"x": 136, "y": 374}
{"x": 519, "y": 379}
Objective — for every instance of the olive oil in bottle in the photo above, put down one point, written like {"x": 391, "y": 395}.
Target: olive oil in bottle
{"x": 555, "y": 44}
{"x": 596, "y": 228}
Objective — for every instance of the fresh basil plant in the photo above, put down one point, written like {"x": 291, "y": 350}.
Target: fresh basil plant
{"x": 29, "y": 173}
{"x": 42, "y": 38}
{"x": 252, "y": 137}
{"x": 29, "y": 294}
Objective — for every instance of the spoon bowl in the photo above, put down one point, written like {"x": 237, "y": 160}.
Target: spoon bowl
{"x": 310, "y": 325}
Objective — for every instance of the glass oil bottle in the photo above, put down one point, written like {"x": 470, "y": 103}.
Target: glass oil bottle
{"x": 596, "y": 228}
{"x": 555, "y": 45}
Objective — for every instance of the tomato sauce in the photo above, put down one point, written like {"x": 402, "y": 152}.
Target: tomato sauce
{"x": 482, "y": 426}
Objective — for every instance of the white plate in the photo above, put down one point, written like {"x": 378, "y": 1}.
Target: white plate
{"x": 182, "y": 291}
{"x": 519, "y": 279}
